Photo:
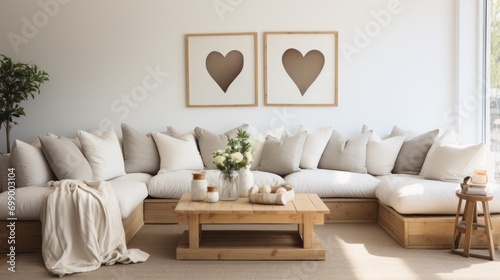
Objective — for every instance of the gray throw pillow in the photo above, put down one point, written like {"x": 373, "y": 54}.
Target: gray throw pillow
{"x": 209, "y": 142}
{"x": 282, "y": 156}
{"x": 140, "y": 152}
{"x": 346, "y": 154}
{"x": 412, "y": 155}
{"x": 30, "y": 165}
{"x": 65, "y": 159}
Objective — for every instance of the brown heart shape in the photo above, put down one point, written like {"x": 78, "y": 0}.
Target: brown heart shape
{"x": 224, "y": 70}
{"x": 303, "y": 69}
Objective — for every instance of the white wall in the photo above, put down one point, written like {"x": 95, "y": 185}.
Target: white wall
{"x": 96, "y": 52}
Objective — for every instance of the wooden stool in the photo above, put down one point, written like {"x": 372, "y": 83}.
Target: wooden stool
{"x": 470, "y": 226}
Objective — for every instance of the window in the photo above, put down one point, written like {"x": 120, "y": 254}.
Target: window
{"x": 492, "y": 63}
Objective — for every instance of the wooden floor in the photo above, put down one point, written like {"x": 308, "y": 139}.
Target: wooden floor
{"x": 228, "y": 244}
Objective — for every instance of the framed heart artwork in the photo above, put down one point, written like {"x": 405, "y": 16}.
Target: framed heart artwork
{"x": 221, "y": 69}
{"x": 301, "y": 68}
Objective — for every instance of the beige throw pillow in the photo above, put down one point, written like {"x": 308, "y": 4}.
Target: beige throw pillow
{"x": 345, "y": 154}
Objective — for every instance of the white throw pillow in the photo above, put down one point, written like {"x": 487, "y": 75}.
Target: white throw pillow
{"x": 314, "y": 146}
{"x": 345, "y": 154}
{"x": 449, "y": 138}
{"x": 103, "y": 153}
{"x": 381, "y": 154}
{"x": 453, "y": 163}
{"x": 282, "y": 156}
{"x": 178, "y": 153}
{"x": 30, "y": 165}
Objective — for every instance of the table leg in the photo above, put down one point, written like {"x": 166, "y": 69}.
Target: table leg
{"x": 474, "y": 222}
{"x": 308, "y": 232}
{"x": 470, "y": 208}
{"x": 456, "y": 233}
{"x": 488, "y": 228}
{"x": 194, "y": 231}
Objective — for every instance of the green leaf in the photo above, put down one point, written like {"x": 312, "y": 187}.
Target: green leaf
{"x": 18, "y": 82}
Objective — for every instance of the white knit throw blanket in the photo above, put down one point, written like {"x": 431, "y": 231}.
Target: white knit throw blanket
{"x": 82, "y": 228}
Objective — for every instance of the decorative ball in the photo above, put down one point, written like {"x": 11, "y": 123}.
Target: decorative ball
{"x": 280, "y": 190}
{"x": 254, "y": 189}
{"x": 265, "y": 189}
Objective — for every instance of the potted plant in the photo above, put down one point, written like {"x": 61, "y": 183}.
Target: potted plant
{"x": 18, "y": 82}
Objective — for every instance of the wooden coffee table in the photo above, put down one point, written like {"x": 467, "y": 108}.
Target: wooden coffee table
{"x": 305, "y": 210}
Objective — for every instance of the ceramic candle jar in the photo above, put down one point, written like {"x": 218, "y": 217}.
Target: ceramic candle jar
{"x": 198, "y": 186}
{"x": 212, "y": 194}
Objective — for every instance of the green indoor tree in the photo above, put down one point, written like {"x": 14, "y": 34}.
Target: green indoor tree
{"x": 18, "y": 82}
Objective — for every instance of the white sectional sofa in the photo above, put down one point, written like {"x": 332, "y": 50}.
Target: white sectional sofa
{"x": 402, "y": 181}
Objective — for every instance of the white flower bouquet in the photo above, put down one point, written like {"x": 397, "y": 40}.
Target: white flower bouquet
{"x": 236, "y": 155}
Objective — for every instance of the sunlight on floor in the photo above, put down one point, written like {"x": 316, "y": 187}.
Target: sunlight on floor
{"x": 370, "y": 265}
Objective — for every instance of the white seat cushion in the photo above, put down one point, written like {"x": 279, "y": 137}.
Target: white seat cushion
{"x": 137, "y": 177}
{"x": 129, "y": 195}
{"x": 410, "y": 194}
{"x": 333, "y": 183}
{"x": 175, "y": 183}
{"x": 29, "y": 199}
{"x": 28, "y": 202}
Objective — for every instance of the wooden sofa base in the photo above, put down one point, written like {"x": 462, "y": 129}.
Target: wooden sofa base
{"x": 161, "y": 211}
{"x": 410, "y": 231}
{"x": 28, "y": 234}
{"x": 428, "y": 231}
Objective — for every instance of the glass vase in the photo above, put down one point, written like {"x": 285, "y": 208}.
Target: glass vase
{"x": 228, "y": 185}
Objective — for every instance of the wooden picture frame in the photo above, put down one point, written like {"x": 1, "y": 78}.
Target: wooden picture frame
{"x": 221, "y": 69}
{"x": 301, "y": 68}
